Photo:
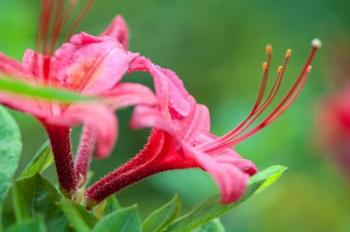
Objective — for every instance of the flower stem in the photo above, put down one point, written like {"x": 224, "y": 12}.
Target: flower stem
{"x": 83, "y": 158}
{"x": 61, "y": 147}
{"x": 116, "y": 181}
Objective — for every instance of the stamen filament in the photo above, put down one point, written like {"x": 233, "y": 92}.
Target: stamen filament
{"x": 231, "y": 138}
{"x": 78, "y": 19}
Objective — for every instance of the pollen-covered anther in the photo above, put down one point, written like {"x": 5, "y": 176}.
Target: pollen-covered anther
{"x": 309, "y": 68}
{"x": 288, "y": 53}
{"x": 279, "y": 69}
{"x": 268, "y": 49}
{"x": 265, "y": 66}
{"x": 316, "y": 43}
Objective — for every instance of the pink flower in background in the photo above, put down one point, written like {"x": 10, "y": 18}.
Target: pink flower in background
{"x": 88, "y": 65}
{"x": 182, "y": 139}
{"x": 333, "y": 118}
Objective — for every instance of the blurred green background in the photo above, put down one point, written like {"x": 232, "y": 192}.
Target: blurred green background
{"x": 217, "y": 47}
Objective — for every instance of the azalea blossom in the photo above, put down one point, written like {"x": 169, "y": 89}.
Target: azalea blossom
{"x": 90, "y": 65}
{"x": 181, "y": 137}
{"x": 333, "y": 118}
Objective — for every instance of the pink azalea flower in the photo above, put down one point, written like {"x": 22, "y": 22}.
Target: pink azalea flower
{"x": 88, "y": 65}
{"x": 182, "y": 138}
{"x": 333, "y": 117}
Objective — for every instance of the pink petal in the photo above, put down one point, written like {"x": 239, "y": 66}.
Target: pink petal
{"x": 147, "y": 117}
{"x": 169, "y": 88}
{"x": 199, "y": 125}
{"x": 118, "y": 29}
{"x": 98, "y": 118}
{"x": 91, "y": 64}
{"x": 11, "y": 67}
{"x": 25, "y": 105}
{"x": 33, "y": 63}
{"x": 231, "y": 180}
{"x": 128, "y": 94}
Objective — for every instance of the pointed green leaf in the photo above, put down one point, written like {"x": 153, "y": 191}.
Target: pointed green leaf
{"x": 112, "y": 205}
{"x": 212, "y": 226}
{"x": 15, "y": 86}
{"x": 211, "y": 209}
{"x": 163, "y": 216}
{"x": 80, "y": 219}
{"x": 41, "y": 161}
{"x": 36, "y": 196}
{"x": 10, "y": 150}
{"x": 29, "y": 225}
{"x": 123, "y": 220}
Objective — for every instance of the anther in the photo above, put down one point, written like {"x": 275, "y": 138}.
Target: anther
{"x": 288, "y": 53}
{"x": 265, "y": 66}
{"x": 279, "y": 69}
{"x": 268, "y": 49}
{"x": 316, "y": 43}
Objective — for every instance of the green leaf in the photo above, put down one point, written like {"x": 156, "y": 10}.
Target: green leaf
{"x": 163, "y": 216}
{"x": 15, "y": 86}
{"x": 10, "y": 150}
{"x": 264, "y": 179}
{"x": 41, "y": 161}
{"x": 1, "y": 225}
{"x": 29, "y": 225}
{"x": 80, "y": 219}
{"x": 210, "y": 209}
{"x": 112, "y": 205}
{"x": 212, "y": 226}
{"x": 36, "y": 196}
{"x": 124, "y": 220}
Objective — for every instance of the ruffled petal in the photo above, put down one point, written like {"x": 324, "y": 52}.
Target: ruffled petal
{"x": 97, "y": 117}
{"x": 128, "y": 94}
{"x": 169, "y": 88}
{"x": 198, "y": 126}
{"x": 118, "y": 29}
{"x": 90, "y": 64}
{"x": 230, "y": 179}
{"x": 148, "y": 117}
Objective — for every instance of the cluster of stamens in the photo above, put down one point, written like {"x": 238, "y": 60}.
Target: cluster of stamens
{"x": 245, "y": 129}
{"x": 55, "y": 16}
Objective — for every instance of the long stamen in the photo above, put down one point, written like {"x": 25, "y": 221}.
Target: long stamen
{"x": 232, "y": 139}
{"x": 55, "y": 14}
{"x": 44, "y": 24}
{"x": 276, "y": 113}
{"x": 78, "y": 19}
{"x": 57, "y": 24}
{"x": 258, "y": 109}
{"x": 264, "y": 80}
{"x": 273, "y": 93}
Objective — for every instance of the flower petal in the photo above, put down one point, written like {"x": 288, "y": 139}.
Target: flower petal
{"x": 11, "y": 67}
{"x": 91, "y": 64}
{"x": 170, "y": 90}
{"x": 128, "y": 94}
{"x": 118, "y": 29}
{"x": 97, "y": 117}
{"x": 33, "y": 62}
{"x": 147, "y": 117}
{"x": 230, "y": 179}
{"x": 25, "y": 105}
{"x": 198, "y": 127}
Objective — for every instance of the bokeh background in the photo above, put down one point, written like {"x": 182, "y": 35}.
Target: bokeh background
{"x": 217, "y": 47}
